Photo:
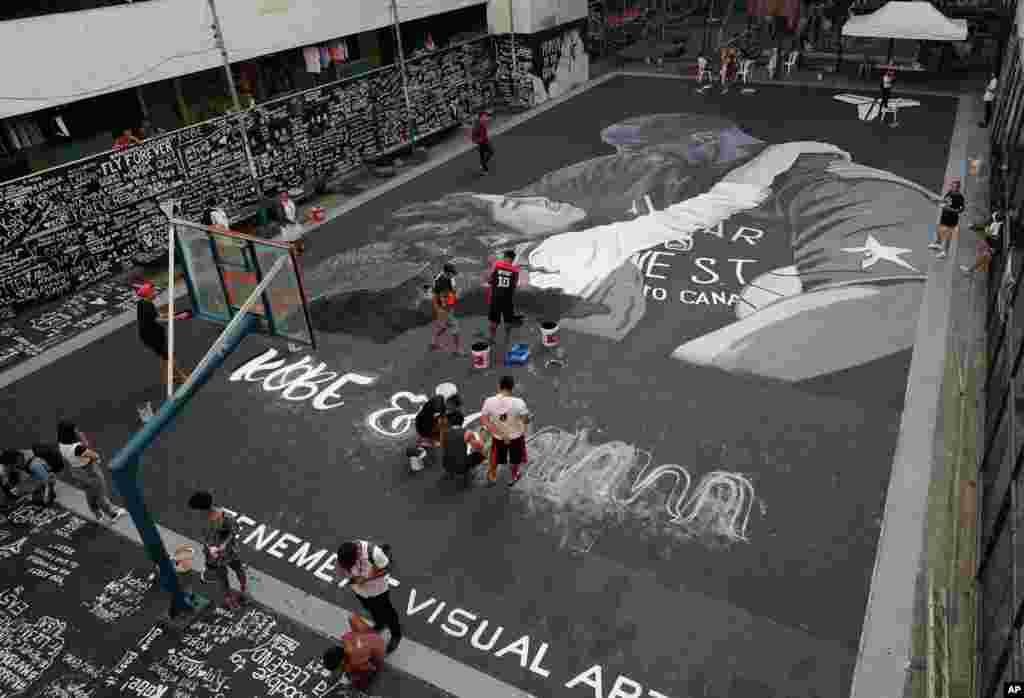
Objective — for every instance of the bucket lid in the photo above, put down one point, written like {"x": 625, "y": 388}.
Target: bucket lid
{"x": 481, "y": 346}
{"x": 548, "y": 325}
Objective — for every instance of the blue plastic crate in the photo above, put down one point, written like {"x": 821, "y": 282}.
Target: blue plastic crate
{"x": 518, "y": 355}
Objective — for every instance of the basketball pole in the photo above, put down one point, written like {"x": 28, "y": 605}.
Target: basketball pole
{"x": 124, "y": 467}
{"x": 170, "y": 310}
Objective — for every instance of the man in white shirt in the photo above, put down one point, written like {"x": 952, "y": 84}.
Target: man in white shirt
{"x": 990, "y": 99}
{"x": 367, "y": 568}
{"x": 506, "y": 417}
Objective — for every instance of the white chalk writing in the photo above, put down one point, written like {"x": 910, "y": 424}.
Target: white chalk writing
{"x": 299, "y": 381}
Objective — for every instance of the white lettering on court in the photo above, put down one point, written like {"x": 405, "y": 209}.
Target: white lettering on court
{"x": 299, "y": 381}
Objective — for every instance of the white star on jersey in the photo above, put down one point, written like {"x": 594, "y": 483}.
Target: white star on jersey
{"x": 874, "y": 251}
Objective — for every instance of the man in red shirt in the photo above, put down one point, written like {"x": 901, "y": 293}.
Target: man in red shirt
{"x": 483, "y": 142}
{"x": 501, "y": 293}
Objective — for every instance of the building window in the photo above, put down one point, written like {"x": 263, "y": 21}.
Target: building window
{"x": 23, "y": 9}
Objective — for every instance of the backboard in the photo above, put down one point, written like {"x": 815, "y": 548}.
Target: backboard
{"x": 222, "y": 268}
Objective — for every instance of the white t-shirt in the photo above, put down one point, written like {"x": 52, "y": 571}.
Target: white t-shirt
{"x": 67, "y": 452}
{"x": 363, "y": 568}
{"x": 990, "y": 91}
{"x": 507, "y": 414}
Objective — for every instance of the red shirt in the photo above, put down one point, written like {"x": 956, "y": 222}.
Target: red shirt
{"x": 480, "y": 133}
{"x": 503, "y": 281}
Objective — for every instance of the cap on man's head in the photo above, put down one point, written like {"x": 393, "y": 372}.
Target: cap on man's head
{"x": 201, "y": 501}
{"x": 449, "y": 268}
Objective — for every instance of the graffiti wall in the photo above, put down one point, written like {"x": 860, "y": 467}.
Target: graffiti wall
{"x": 73, "y": 225}
{"x": 545, "y": 65}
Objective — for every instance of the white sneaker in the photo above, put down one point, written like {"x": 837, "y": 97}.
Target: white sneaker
{"x": 934, "y": 246}
{"x": 941, "y": 254}
{"x": 118, "y": 513}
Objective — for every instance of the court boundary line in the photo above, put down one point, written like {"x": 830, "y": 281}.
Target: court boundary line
{"x": 323, "y": 617}
{"x": 885, "y": 649}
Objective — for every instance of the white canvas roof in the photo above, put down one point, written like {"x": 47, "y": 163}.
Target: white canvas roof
{"x": 919, "y": 21}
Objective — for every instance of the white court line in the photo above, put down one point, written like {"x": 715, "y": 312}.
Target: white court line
{"x": 331, "y": 621}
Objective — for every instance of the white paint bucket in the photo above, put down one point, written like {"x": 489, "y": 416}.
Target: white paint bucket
{"x": 549, "y": 333}
{"x": 481, "y": 354}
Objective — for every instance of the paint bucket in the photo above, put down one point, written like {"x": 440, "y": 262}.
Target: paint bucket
{"x": 416, "y": 456}
{"x": 481, "y": 353}
{"x": 549, "y": 333}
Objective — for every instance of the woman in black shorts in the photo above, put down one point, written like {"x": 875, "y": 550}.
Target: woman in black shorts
{"x": 152, "y": 332}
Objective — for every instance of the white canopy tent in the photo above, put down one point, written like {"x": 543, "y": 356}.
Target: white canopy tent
{"x": 917, "y": 21}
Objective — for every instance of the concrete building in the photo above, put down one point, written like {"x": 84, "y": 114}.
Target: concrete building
{"x": 78, "y": 73}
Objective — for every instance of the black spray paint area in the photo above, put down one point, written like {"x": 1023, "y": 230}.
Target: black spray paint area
{"x": 691, "y": 530}
{"x": 81, "y": 617}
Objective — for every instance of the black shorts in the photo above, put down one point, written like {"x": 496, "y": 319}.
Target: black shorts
{"x": 950, "y": 219}
{"x": 157, "y": 347}
{"x": 513, "y": 452}
{"x": 503, "y": 311}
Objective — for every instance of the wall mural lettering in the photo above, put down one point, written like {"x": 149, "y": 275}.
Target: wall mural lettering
{"x": 73, "y": 225}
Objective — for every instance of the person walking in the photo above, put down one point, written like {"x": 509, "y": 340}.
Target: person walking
{"x": 220, "y": 545}
{"x": 990, "y": 99}
{"x": 360, "y": 655}
{"x": 953, "y": 205}
{"x": 506, "y": 418}
{"x": 888, "y": 76}
{"x": 444, "y": 298}
{"x": 501, "y": 292}
{"x": 153, "y": 334}
{"x": 83, "y": 468}
{"x": 482, "y": 140}
{"x": 367, "y": 568}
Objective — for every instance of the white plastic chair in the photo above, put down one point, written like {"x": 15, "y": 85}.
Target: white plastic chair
{"x": 773, "y": 63}
{"x": 702, "y": 70}
{"x": 791, "y": 60}
{"x": 745, "y": 67}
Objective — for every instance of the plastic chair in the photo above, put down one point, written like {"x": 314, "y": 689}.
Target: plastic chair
{"x": 791, "y": 61}
{"x": 773, "y": 63}
{"x": 702, "y": 70}
{"x": 745, "y": 67}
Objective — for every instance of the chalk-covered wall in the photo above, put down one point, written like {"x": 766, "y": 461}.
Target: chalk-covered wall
{"x": 71, "y": 55}
{"x": 547, "y": 64}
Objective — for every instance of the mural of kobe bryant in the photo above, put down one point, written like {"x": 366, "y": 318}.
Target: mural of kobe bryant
{"x": 835, "y": 270}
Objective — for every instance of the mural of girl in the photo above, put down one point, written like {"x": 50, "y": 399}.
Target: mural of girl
{"x": 828, "y": 244}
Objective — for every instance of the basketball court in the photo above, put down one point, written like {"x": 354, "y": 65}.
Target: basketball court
{"x": 712, "y": 437}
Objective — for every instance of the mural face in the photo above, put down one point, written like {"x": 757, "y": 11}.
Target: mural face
{"x": 785, "y": 246}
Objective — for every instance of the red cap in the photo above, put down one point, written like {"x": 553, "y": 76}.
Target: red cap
{"x": 146, "y": 290}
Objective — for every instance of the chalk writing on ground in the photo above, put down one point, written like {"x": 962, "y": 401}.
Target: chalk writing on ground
{"x": 120, "y": 598}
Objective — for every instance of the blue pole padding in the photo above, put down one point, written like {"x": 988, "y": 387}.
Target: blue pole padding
{"x": 125, "y": 464}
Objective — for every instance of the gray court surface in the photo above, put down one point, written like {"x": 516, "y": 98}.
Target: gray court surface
{"x": 695, "y": 526}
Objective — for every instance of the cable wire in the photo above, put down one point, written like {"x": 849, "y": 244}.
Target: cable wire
{"x": 111, "y": 86}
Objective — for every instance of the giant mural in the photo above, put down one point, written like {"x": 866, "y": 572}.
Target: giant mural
{"x": 693, "y": 239}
